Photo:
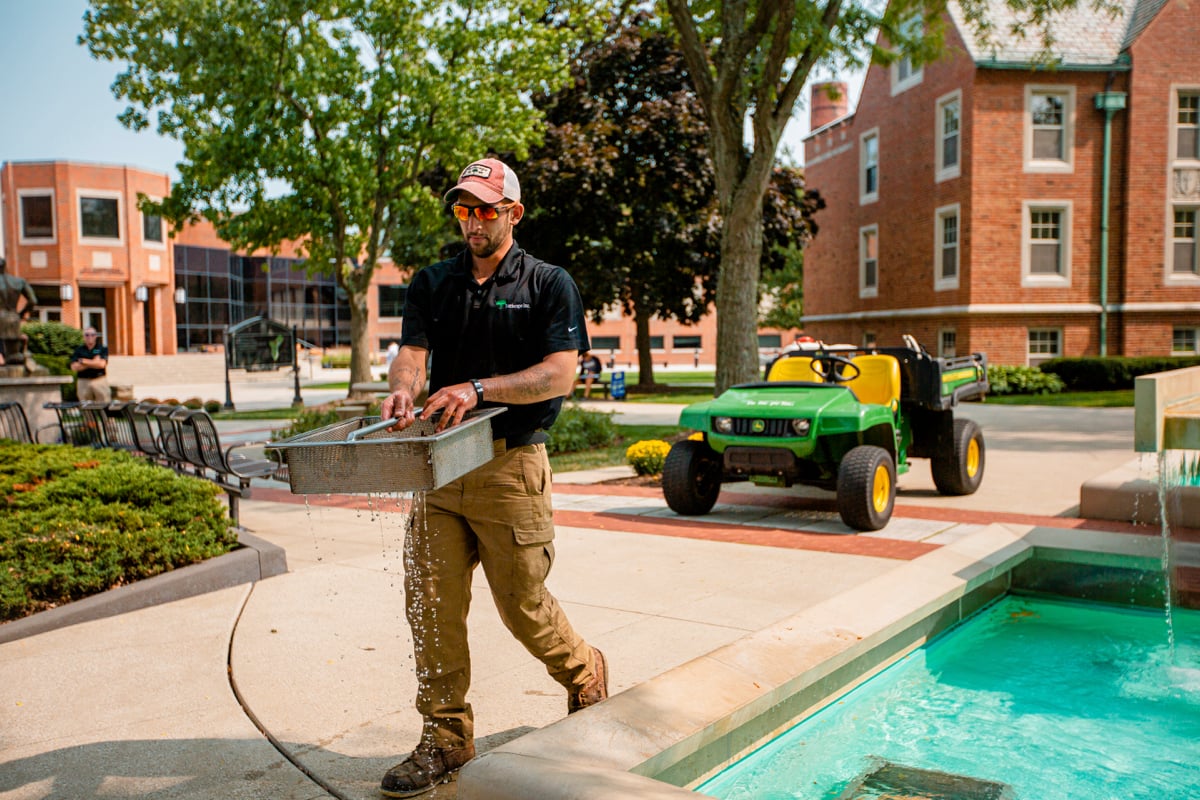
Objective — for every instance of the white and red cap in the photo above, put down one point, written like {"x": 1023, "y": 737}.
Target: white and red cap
{"x": 488, "y": 179}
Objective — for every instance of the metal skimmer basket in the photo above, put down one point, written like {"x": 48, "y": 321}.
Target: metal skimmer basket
{"x": 359, "y": 456}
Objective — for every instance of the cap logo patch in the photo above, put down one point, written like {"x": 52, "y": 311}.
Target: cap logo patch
{"x": 476, "y": 171}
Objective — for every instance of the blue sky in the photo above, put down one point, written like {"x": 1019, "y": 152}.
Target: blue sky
{"x": 57, "y": 103}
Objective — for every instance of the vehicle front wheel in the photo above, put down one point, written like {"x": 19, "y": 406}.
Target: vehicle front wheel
{"x": 959, "y": 470}
{"x": 866, "y": 488}
{"x": 691, "y": 478}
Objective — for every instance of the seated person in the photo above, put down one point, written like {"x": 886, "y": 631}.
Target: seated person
{"x": 589, "y": 371}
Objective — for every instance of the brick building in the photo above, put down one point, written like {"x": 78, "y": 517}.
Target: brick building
{"x": 965, "y": 198}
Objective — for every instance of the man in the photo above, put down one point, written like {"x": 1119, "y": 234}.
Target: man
{"x": 589, "y": 370}
{"x": 89, "y": 362}
{"x": 17, "y": 302}
{"x": 503, "y": 329}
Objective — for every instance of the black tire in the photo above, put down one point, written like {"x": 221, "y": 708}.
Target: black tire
{"x": 691, "y": 478}
{"x": 958, "y": 470}
{"x": 866, "y": 488}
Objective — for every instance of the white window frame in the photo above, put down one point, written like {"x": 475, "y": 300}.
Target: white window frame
{"x": 1195, "y": 340}
{"x": 150, "y": 244}
{"x": 36, "y": 192}
{"x": 916, "y": 72}
{"x": 943, "y": 172}
{"x": 1032, "y": 359}
{"x": 1067, "y": 162}
{"x": 1063, "y": 278}
{"x": 122, "y": 224}
{"x": 865, "y": 197}
{"x": 942, "y": 333}
{"x": 863, "y": 289}
{"x": 1176, "y": 91}
{"x": 1172, "y": 276}
{"x": 940, "y": 281}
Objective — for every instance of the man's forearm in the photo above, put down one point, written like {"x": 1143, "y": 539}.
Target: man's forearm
{"x": 545, "y": 380}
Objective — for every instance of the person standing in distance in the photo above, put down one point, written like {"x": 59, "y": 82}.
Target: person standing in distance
{"x": 89, "y": 362}
{"x": 504, "y": 329}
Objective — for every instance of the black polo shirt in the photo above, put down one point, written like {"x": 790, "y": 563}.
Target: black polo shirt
{"x": 82, "y": 351}
{"x": 525, "y": 311}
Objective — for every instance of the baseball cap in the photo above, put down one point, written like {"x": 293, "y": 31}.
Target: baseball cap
{"x": 488, "y": 179}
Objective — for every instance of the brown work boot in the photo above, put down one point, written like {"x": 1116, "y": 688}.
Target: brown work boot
{"x": 425, "y": 767}
{"x": 595, "y": 691}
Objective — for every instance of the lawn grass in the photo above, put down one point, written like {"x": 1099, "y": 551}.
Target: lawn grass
{"x": 614, "y": 453}
{"x": 1119, "y": 398}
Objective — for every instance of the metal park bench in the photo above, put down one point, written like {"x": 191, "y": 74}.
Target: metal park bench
{"x": 14, "y": 425}
{"x": 228, "y": 467}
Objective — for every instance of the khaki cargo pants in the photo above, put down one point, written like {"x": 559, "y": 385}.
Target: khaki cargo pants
{"x": 500, "y": 516}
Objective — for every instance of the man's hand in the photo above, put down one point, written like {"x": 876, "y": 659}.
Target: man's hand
{"x": 453, "y": 401}
{"x": 398, "y": 404}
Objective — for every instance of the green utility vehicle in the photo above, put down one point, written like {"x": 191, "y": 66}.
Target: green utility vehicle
{"x": 841, "y": 418}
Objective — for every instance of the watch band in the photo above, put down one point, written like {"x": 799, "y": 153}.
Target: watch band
{"x": 478, "y": 391}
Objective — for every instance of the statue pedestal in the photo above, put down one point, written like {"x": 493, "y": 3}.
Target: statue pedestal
{"x": 33, "y": 392}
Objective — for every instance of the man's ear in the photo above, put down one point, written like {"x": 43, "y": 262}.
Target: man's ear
{"x": 517, "y": 212}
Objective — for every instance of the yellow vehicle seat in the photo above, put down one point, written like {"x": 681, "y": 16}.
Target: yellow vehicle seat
{"x": 878, "y": 381}
{"x": 794, "y": 368}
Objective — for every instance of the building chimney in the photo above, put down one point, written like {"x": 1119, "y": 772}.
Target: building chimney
{"x": 829, "y": 102}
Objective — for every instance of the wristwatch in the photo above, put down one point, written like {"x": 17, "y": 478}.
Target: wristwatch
{"x": 478, "y": 391}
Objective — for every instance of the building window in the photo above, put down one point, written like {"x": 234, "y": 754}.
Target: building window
{"x": 948, "y": 343}
{"x": 686, "y": 342}
{"x": 152, "y": 228}
{"x": 656, "y": 343}
{"x": 1183, "y": 243}
{"x": 868, "y": 261}
{"x": 610, "y": 343}
{"x": 391, "y": 300}
{"x": 37, "y": 216}
{"x": 770, "y": 341}
{"x": 868, "y": 158}
{"x": 99, "y": 217}
{"x": 1046, "y": 254}
{"x": 905, "y": 72}
{"x": 1049, "y": 129}
{"x": 1184, "y": 342}
{"x": 949, "y": 122}
{"x": 1187, "y": 125}
{"x": 1044, "y": 344}
{"x": 869, "y": 340}
{"x": 946, "y": 248}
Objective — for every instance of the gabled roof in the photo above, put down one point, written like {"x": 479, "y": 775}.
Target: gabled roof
{"x": 1084, "y": 36}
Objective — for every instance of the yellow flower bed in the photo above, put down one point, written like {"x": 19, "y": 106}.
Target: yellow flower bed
{"x": 647, "y": 457}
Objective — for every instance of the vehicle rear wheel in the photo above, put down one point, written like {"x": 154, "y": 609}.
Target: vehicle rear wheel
{"x": 691, "y": 478}
{"x": 959, "y": 470}
{"x": 866, "y": 488}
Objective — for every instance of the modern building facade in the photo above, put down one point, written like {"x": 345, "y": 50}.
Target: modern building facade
{"x": 981, "y": 204}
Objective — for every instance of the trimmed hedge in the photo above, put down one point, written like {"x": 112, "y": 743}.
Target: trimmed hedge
{"x": 576, "y": 430}
{"x": 1022, "y": 380}
{"x": 1095, "y": 374}
{"x": 76, "y": 522}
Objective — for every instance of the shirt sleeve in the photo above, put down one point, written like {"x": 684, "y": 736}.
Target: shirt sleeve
{"x": 562, "y": 307}
{"x": 415, "y": 327}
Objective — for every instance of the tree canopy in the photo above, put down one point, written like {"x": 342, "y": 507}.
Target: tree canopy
{"x": 621, "y": 192}
{"x": 314, "y": 121}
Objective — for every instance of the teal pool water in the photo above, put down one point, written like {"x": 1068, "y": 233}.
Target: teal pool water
{"x": 1046, "y": 700}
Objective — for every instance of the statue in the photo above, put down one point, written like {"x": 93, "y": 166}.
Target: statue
{"x": 17, "y": 302}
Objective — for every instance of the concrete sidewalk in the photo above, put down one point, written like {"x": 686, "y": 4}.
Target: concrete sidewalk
{"x": 301, "y": 686}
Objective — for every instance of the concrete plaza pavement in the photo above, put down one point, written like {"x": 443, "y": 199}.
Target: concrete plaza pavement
{"x": 301, "y": 686}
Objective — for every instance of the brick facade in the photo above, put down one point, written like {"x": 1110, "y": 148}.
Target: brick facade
{"x": 999, "y": 297}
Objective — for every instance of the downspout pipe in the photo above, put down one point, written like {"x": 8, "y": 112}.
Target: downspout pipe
{"x": 1110, "y": 103}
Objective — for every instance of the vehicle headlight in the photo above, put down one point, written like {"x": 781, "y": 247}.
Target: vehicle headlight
{"x": 802, "y": 426}
{"x": 723, "y": 424}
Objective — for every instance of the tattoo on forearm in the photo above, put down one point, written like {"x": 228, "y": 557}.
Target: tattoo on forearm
{"x": 406, "y": 378}
{"x": 532, "y": 384}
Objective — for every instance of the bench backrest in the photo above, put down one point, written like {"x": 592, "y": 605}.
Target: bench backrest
{"x": 144, "y": 429}
{"x": 14, "y": 424}
{"x": 794, "y": 368}
{"x": 168, "y": 434}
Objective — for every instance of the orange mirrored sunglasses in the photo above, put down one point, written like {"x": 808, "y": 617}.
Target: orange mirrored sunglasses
{"x": 484, "y": 213}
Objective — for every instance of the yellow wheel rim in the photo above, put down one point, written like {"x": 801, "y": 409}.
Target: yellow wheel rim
{"x": 881, "y": 488}
{"x": 973, "y": 458}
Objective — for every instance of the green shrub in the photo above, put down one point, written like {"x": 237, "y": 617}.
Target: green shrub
{"x": 1095, "y": 374}
{"x": 1022, "y": 380}
{"x": 193, "y": 402}
{"x": 335, "y": 361}
{"x": 76, "y": 521}
{"x": 213, "y": 406}
{"x": 647, "y": 457}
{"x": 577, "y": 429}
{"x": 52, "y": 339}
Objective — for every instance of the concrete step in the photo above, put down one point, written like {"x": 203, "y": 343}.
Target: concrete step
{"x": 198, "y": 368}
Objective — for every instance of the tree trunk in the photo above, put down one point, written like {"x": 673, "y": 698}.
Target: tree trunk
{"x": 737, "y": 293}
{"x": 360, "y": 346}
{"x": 645, "y": 359}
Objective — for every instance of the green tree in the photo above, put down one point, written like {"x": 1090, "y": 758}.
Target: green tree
{"x": 315, "y": 120}
{"x": 749, "y": 62}
{"x": 621, "y": 192}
